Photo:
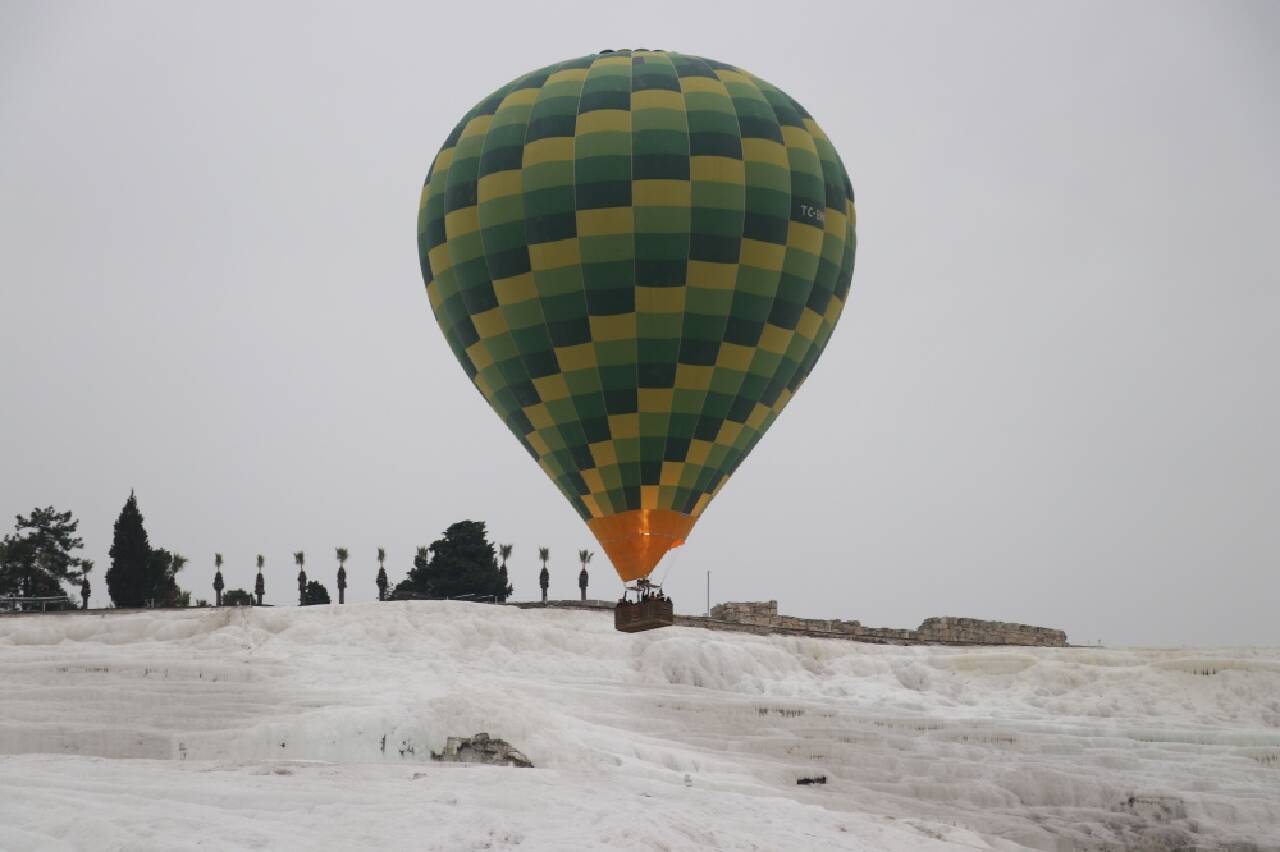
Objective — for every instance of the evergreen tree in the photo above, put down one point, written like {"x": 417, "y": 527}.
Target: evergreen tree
{"x": 236, "y": 597}
{"x": 127, "y": 578}
{"x": 161, "y": 584}
{"x": 463, "y": 563}
{"x": 10, "y": 566}
{"x": 404, "y": 591}
{"x": 15, "y": 564}
{"x": 316, "y": 594}
{"x": 39, "y": 556}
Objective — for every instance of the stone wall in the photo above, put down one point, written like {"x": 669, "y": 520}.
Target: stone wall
{"x": 761, "y": 617}
{"x": 747, "y": 612}
{"x": 946, "y": 631}
{"x": 977, "y": 631}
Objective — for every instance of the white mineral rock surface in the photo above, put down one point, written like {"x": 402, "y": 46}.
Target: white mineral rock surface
{"x": 311, "y": 729}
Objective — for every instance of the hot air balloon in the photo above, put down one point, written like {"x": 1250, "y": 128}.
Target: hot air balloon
{"x": 637, "y": 257}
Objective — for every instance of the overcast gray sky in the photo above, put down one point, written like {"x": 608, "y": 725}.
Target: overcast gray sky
{"x": 1052, "y": 397}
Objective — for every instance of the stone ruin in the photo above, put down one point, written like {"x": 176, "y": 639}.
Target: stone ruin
{"x": 976, "y": 631}
{"x": 482, "y": 748}
{"x": 938, "y": 631}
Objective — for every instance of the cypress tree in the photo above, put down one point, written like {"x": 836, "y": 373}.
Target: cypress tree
{"x": 127, "y": 578}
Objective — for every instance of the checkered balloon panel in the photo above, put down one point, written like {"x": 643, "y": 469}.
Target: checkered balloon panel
{"x": 637, "y": 257}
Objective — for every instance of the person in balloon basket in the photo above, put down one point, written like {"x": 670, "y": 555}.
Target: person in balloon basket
{"x": 382, "y": 583}
{"x": 544, "y": 580}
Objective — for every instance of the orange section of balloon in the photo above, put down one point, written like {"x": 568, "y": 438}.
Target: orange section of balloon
{"x": 636, "y": 541}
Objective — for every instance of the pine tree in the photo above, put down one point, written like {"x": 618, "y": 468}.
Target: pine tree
{"x": 37, "y": 560}
{"x": 12, "y": 562}
{"x": 130, "y": 554}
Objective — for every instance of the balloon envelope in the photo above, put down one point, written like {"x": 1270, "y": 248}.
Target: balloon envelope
{"x": 637, "y": 257}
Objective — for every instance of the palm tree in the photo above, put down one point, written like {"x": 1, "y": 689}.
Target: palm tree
{"x": 544, "y": 576}
{"x": 584, "y": 556}
{"x": 382, "y": 556}
{"x": 86, "y": 565}
{"x": 217, "y": 576}
{"x": 301, "y": 559}
{"x": 382, "y": 574}
{"x": 504, "y": 550}
{"x": 260, "y": 586}
{"x": 342, "y": 574}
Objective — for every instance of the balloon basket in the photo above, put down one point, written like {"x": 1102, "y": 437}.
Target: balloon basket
{"x": 650, "y": 610}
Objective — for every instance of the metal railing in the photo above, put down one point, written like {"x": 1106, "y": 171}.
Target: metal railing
{"x": 10, "y": 603}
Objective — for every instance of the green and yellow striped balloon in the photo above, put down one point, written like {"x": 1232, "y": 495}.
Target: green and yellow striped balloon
{"x": 637, "y": 257}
